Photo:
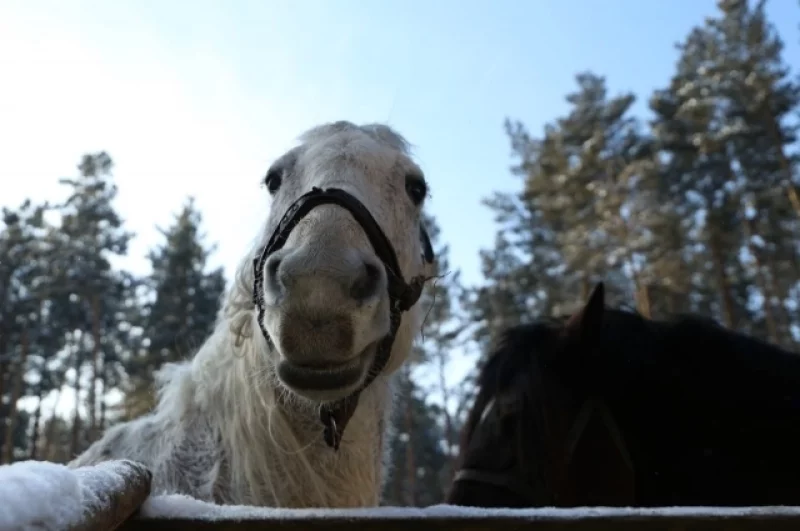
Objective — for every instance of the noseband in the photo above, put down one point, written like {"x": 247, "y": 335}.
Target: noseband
{"x": 520, "y": 487}
{"x": 402, "y": 296}
{"x": 508, "y": 482}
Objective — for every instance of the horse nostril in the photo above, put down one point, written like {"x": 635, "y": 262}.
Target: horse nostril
{"x": 367, "y": 283}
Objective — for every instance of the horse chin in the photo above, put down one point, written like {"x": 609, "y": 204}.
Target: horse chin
{"x": 326, "y": 382}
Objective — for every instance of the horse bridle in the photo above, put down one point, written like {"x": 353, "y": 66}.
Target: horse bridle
{"x": 505, "y": 481}
{"x": 402, "y": 296}
{"x": 520, "y": 487}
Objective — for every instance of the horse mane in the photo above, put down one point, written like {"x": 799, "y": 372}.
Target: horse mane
{"x": 514, "y": 369}
{"x": 379, "y": 132}
{"x": 715, "y": 363}
{"x": 722, "y": 362}
{"x": 735, "y": 367}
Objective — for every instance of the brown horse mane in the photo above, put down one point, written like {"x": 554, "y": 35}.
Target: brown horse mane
{"x": 632, "y": 345}
{"x": 512, "y": 371}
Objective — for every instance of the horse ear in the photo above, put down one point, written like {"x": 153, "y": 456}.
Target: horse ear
{"x": 587, "y": 322}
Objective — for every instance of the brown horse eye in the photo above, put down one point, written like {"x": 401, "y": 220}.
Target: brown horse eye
{"x": 273, "y": 181}
{"x": 416, "y": 188}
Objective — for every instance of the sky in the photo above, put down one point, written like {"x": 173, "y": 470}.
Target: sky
{"x": 198, "y": 98}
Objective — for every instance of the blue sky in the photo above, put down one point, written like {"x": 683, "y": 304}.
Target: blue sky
{"x": 199, "y": 101}
{"x": 199, "y": 97}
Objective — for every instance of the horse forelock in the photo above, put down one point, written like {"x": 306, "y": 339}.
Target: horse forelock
{"x": 513, "y": 371}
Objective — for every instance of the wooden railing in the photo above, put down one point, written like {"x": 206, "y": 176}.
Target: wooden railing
{"x": 108, "y": 503}
{"x": 115, "y": 495}
{"x": 775, "y": 521}
{"x": 407, "y": 519}
{"x": 39, "y": 495}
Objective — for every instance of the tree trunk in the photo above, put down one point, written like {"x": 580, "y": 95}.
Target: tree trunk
{"x": 101, "y": 423}
{"x": 448, "y": 423}
{"x": 765, "y": 283}
{"x": 644, "y": 300}
{"x": 397, "y": 486}
{"x": 3, "y": 373}
{"x": 773, "y": 130}
{"x": 16, "y": 392}
{"x": 786, "y": 167}
{"x": 3, "y": 415}
{"x": 782, "y": 319}
{"x": 95, "y": 304}
{"x": 76, "y": 417}
{"x": 411, "y": 472}
{"x": 586, "y": 289}
{"x": 781, "y": 289}
{"x": 37, "y": 419}
{"x": 37, "y": 415}
{"x": 5, "y": 316}
{"x": 723, "y": 284}
{"x": 49, "y": 436}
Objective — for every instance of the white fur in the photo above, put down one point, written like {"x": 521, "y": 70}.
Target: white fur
{"x": 218, "y": 433}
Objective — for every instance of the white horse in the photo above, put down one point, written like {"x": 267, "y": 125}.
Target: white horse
{"x": 242, "y": 422}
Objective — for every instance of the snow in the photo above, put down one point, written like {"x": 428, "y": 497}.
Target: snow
{"x": 28, "y": 490}
{"x": 180, "y": 506}
{"x": 48, "y": 496}
{"x": 99, "y": 481}
{"x": 43, "y": 496}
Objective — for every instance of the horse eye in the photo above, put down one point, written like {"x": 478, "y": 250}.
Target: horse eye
{"x": 505, "y": 409}
{"x": 273, "y": 181}
{"x": 416, "y": 188}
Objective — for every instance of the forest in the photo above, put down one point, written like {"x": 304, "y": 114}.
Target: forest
{"x": 694, "y": 208}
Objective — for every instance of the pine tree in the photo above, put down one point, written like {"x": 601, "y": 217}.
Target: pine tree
{"x": 524, "y": 268}
{"x": 92, "y": 234}
{"x": 415, "y": 477}
{"x": 441, "y": 335}
{"x": 21, "y": 310}
{"x": 566, "y": 229}
{"x": 659, "y": 243}
{"x": 691, "y": 130}
{"x": 600, "y": 146}
{"x": 721, "y": 123}
{"x": 184, "y": 303}
{"x": 759, "y": 95}
{"x": 422, "y": 434}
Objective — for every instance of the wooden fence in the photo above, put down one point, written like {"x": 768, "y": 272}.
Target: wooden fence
{"x": 114, "y": 495}
{"x": 494, "y": 522}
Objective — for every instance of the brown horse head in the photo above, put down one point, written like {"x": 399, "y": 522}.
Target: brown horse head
{"x": 540, "y": 432}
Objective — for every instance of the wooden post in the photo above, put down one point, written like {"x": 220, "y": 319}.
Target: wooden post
{"x": 107, "y": 509}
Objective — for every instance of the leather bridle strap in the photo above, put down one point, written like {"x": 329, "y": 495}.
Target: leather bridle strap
{"x": 504, "y": 481}
{"x": 589, "y": 406}
{"x": 402, "y": 296}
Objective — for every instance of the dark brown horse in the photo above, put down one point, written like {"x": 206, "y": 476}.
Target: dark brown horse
{"x": 609, "y": 408}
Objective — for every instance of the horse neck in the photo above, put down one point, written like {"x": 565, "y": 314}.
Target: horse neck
{"x": 705, "y": 337}
{"x": 734, "y": 363}
{"x": 274, "y": 451}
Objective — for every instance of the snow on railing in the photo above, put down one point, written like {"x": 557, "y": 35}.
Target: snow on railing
{"x": 44, "y": 496}
{"x": 115, "y": 495}
{"x": 180, "y": 513}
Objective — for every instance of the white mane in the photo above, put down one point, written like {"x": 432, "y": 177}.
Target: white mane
{"x": 218, "y": 432}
